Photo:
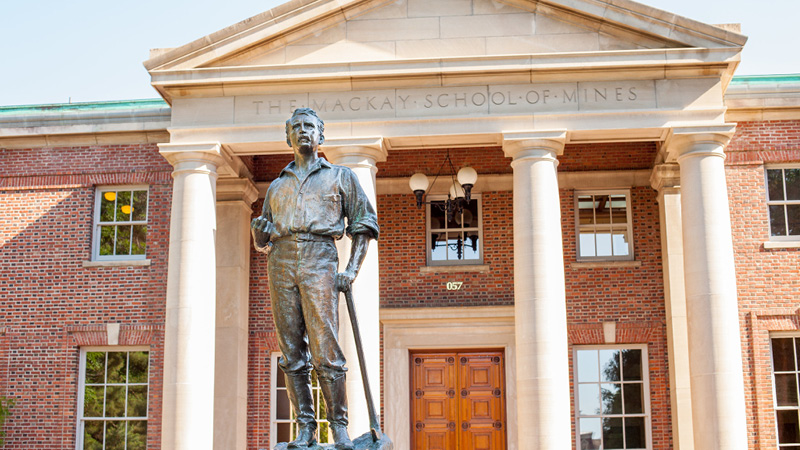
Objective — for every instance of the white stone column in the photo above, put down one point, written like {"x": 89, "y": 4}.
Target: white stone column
{"x": 666, "y": 180}
{"x": 361, "y": 155}
{"x": 234, "y": 199}
{"x": 715, "y": 354}
{"x": 543, "y": 395}
{"x": 188, "y": 395}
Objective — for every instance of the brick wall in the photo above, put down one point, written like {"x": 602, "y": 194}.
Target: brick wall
{"x": 768, "y": 280}
{"x": 50, "y": 305}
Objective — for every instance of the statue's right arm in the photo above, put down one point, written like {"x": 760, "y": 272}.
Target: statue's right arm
{"x": 262, "y": 229}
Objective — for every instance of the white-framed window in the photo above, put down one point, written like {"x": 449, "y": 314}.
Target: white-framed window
{"x": 785, "y": 371}
{"x": 113, "y": 398}
{"x": 603, "y": 225}
{"x": 120, "y": 223}
{"x": 612, "y": 397}
{"x": 283, "y": 427}
{"x": 783, "y": 201}
{"x": 457, "y": 239}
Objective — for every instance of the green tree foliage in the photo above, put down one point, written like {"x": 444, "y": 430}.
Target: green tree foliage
{"x": 5, "y": 409}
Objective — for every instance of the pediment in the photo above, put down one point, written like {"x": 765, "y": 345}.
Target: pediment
{"x": 304, "y": 32}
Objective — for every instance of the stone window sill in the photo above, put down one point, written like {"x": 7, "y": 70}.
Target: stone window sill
{"x": 482, "y": 268}
{"x": 781, "y": 244}
{"x": 605, "y": 264}
{"x": 130, "y": 263}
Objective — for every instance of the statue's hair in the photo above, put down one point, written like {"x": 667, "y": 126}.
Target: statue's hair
{"x": 306, "y": 112}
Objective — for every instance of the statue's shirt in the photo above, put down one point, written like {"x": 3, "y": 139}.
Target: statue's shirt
{"x": 319, "y": 203}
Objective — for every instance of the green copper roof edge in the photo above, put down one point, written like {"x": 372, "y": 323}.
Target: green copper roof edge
{"x": 787, "y": 78}
{"x": 85, "y": 106}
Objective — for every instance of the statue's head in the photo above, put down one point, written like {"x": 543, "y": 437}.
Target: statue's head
{"x": 302, "y": 115}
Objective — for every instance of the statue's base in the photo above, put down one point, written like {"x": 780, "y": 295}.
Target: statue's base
{"x": 363, "y": 442}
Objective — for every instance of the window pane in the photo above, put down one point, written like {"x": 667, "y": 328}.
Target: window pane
{"x": 588, "y": 368}
{"x": 93, "y": 401}
{"x": 455, "y": 247}
{"x": 782, "y": 354}
{"x": 95, "y": 367}
{"x": 123, "y": 246}
{"x": 788, "y": 429}
{"x": 115, "y": 401}
{"x": 633, "y": 398}
{"x": 137, "y": 435}
{"x": 603, "y": 244}
{"x": 777, "y": 220}
{"x": 602, "y": 214}
{"x": 438, "y": 247}
{"x": 586, "y": 210}
{"x": 786, "y": 389}
{"x": 137, "y": 372}
{"x": 107, "y": 206}
{"x": 775, "y": 184}
{"x": 611, "y": 395}
{"x": 117, "y": 367}
{"x": 587, "y": 244}
{"x": 589, "y": 396}
{"x": 282, "y": 406}
{"x": 139, "y": 239}
{"x": 635, "y": 433}
{"x": 609, "y": 363}
{"x": 284, "y": 432}
{"x": 471, "y": 216}
{"x": 591, "y": 430}
{"x": 793, "y": 214}
{"x": 620, "y": 243}
{"x": 323, "y": 433}
{"x": 115, "y": 435}
{"x": 438, "y": 219}
{"x": 472, "y": 246}
{"x": 123, "y": 206}
{"x": 137, "y": 401}
{"x": 107, "y": 240}
{"x": 619, "y": 209}
{"x": 139, "y": 205}
{"x": 612, "y": 433}
{"x": 792, "y": 177}
{"x": 93, "y": 435}
{"x": 632, "y": 365}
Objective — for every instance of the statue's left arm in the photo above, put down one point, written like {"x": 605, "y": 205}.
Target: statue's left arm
{"x": 362, "y": 225}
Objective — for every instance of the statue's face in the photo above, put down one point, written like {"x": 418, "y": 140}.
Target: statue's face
{"x": 304, "y": 133}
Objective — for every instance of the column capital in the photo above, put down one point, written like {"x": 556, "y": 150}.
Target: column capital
{"x": 206, "y": 151}
{"x": 534, "y": 144}
{"x": 237, "y": 189}
{"x": 708, "y": 140}
{"x": 355, "y": 151}
{"x": 665, "y": 176}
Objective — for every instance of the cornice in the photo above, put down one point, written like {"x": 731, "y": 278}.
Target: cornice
{"x": 535, "y": 68}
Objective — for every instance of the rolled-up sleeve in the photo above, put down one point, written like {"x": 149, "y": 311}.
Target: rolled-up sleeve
{"x": 360, "y": 214}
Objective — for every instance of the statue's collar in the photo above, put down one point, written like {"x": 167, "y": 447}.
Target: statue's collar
{"x": 319, "y": 163}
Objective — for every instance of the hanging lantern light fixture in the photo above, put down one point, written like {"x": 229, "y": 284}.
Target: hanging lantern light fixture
{"x": 460, "y": 191}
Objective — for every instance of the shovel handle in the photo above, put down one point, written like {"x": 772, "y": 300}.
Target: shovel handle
{"x": 374, "y": 423}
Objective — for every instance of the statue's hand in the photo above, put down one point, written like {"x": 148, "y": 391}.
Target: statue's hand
{"x": 261, "y": 228}
{"x": 344, "y": 280}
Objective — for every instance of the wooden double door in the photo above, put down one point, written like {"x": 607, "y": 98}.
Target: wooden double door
{"x": 458, "y": 400}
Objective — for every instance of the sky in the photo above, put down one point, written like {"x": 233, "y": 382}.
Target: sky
{"x": 56, "y": 51}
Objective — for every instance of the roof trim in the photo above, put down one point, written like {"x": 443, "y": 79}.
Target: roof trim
{"x": 282, "y": 20}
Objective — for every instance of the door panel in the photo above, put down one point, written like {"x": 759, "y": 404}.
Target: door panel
{"x": 458, "y": 401}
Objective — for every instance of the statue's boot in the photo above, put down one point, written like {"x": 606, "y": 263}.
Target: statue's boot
{"x": 298, "y": 386}
{"x": 335, "y": 395}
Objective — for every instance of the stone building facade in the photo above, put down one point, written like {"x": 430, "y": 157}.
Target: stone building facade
{"x": 625, "y": 275}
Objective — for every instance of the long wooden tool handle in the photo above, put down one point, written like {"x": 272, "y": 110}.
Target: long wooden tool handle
{"x": 374, "y": 423}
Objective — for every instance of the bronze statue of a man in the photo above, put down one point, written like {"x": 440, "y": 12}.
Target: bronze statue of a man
{"x": 304, "y": 212}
